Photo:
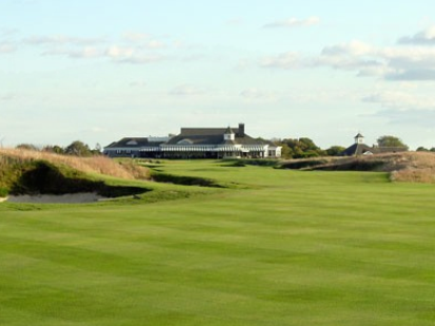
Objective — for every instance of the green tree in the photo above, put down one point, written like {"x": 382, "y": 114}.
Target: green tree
{"x": 335, "y": 150}
{"x": 29, "y": 147}
{"x": 299, "y": 148}
{"x": 97, "y": 150}
{"x": 422, "y": 149}
{"x": 306, "y": 144}
{"x": 286, "y": 151}
{"x": 53, "y": 149}
{"x": 390, "y": 141}
{"x": 78, "y": 148}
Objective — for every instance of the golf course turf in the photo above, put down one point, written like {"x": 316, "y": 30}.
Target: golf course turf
{"x": 276, "y": 247}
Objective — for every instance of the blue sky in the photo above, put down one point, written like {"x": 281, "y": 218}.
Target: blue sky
{"x": 98, "y": 70}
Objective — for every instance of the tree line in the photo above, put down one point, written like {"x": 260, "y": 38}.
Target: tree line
{"x": 305, "y": 147}
{"x": 76, "y": 148}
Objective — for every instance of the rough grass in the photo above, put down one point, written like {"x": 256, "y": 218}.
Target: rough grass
{"x": 403, "y": 167}
{"x": 67, "y": 172}
{"x": 95, "y": 164}
{"x": 296, "y": 248}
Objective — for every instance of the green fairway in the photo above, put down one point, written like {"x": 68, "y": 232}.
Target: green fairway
{"x": 278, "y": 247}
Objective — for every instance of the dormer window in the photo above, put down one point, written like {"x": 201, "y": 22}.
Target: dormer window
{"x": 132, "y": 142}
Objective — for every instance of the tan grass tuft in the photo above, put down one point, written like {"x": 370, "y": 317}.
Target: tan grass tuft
{"x": 94, "y": 164}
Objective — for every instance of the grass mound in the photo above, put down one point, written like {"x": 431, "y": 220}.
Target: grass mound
{"x": 185, "y": 180}
{"x": 408, "y": 167}
{"x": 45, "y": 178}
{"x": 93, "y": 165}
{"x": 31, "y": 172}
{"x": 301, "y": 164}
{"x": 255, "y": 162}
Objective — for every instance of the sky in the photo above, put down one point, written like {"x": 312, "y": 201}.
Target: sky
{"x": 98, "y": 71}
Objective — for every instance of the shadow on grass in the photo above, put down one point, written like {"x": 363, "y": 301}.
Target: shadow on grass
{"x": 186, "y": 180}
{"x": 46, "y": 178}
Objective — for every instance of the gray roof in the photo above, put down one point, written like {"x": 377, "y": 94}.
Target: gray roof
{"x": 133, "y": 142}
{"x": 213, "y": 136}
{"x": 194, "y": 136}
{"x": 229, "y": 130}
{"x": 359, "y": 149}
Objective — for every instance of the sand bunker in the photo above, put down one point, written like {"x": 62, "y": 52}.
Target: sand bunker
{"x": 88, "y": 197}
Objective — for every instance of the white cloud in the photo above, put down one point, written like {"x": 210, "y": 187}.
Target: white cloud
{"x": 119, "y": 52}
{"x": 187, "y": 91}
{"x": 400, "y": 100}
{"x": 284, "y": 61}
{"x": 115, "y": 53}
{"x": 412, "y": 75}
{"x": 8, "y": 32}
{"x": 135, "y": 37}
{"x": 396, "y": 63}
{"x": 293, "y": 22}
{"x": 353, "y": 48}
{"x": 413, "y": 117}
{"x": 426, "y": 37}
{"x": 130, "y": 48}
{"x": 154, "y": 44}
{"x": 403, "y": 107}
{"x": 142, "y": 59}
{"x": 7, "y": 47}
{"x": 7, "y": 97}
{"x": 63, "y": 40}
{"x": 88, "y": 52}
{"x": 142, "y": 40}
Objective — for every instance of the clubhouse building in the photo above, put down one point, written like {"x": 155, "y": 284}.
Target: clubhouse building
{"x": 196, "y": 143}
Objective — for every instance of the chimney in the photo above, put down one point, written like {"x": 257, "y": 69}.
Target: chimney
{"x": 241, "y": 130}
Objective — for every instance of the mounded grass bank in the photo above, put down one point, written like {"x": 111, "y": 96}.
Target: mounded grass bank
{"x": 31, "y": 172}
{"x": 12, "y": 159}
{"x": 185, "y": 180}
{"x": 41, "y": 177}
{"x": 418, "y": 167}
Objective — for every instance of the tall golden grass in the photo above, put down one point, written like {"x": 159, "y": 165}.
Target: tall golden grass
{"x": 94, "y": 164}
{"x": 417, "y": 167}
{"x": 403, "y": 167}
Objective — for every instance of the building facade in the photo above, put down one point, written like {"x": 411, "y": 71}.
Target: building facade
{"x": 193, "y": 143}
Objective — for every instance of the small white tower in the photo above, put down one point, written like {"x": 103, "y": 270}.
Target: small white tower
{"x": 229, "y": 134}
{"x": 359, "y": 139}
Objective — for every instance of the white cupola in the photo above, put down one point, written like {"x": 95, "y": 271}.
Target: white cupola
{"x": 359, "y": 139}
{"x": 229, "y": 134}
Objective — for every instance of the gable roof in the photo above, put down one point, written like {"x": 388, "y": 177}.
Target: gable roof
{"x": 214, "y": 136}
{"x": 133, "y": 142}
{"x": 357, "y": 149}
{"x": 360, "y": 149}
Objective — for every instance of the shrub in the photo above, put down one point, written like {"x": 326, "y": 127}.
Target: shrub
{"x": 4, "y": 192}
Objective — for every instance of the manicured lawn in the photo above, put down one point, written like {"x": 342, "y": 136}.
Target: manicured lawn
{"x": 285, "y": 248}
